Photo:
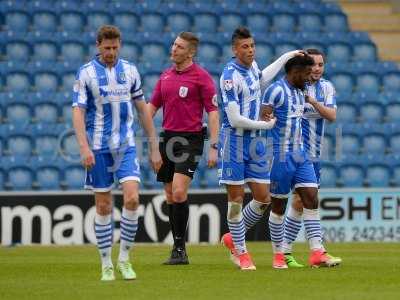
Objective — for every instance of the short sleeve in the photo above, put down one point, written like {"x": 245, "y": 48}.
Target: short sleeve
{"x": 79, "y": 95}
{"x": 273, "y": 96}
{"x": 136, "y": 88}
{"x": 330, "y": 98}
{"x": 208, "y": 92}
{"x": 228, "y": 87}
{"x": 156, "y": 98}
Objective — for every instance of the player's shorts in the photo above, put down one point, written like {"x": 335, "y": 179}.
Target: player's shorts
{"x": 317, "y": 170}
{"x": 242, "y": 159}
{"x": 123, "y": 165}
{"x": 180, "y": 152}
{"x": 293, "y": 170}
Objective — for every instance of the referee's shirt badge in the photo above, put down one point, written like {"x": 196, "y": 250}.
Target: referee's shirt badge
{"x": 183, "y": 91}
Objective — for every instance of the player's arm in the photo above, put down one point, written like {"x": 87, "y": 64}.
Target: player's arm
{"x": 79, "y": 102}
{"x": 328, "y": 113}
{"x": 156, "y": 99}
{"x": 148, "y": 126}
{"x": 269, "y": 72}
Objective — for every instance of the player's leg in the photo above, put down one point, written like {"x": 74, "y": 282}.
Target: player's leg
{"x": 100, "y": 180}
{"x": 257, "y": 207}
{"x": 292, "y": 226}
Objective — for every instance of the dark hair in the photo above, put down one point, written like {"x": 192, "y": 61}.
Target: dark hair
{"x": 240, "y": 33}
{"x": 191, "y": 38}
{"x": 108, "y": 32}
{"x": 299, "y": 62}
{"x": 313, "y": 51}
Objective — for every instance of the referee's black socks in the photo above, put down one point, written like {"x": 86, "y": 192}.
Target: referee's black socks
{"x": 171, "y": 219}
{"x": 180, "y": 219}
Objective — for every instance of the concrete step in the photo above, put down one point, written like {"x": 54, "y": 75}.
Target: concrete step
{"x": 388, "y": 44}
{"x": 366, "y": 7}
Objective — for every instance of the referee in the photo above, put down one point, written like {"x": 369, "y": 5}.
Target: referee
{"x": 183, "y": 91}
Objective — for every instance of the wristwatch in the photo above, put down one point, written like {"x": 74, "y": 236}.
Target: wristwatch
{"x": 214, "y": 146}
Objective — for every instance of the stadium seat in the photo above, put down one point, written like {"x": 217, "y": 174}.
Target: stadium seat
{"x": 18, "y": 51}
{"x": 205, "y": 22}
{"x": 391, "y": 82}
{"x": 374, "y": 143}
{"x": 149, "y": 82}
{"x": 154, "y": 51}
{"x": 339, "y": 52}
{"x": 66, "y": 113}
{"x": 283, "y": 22}
{"x": 371, "y": 112}
{"x": 208, "y": 53}
{"x": 45, "y": 82}
{"x": 48, "y": 178}
{"x": 227, "y": 52}
{"x": 96, "y": 19}
{"x": 73, "y": 51}
{"x": 18, "y": 113}
{"x": 46, "y": 112}
{"x": 70, "y": 147}
{"x": 45, "y": 21}
{"x": 350, "y": 144}
{"x": 74, "y": 177}
{"x": 17, "y": 21}
{"x": 283, "y": 47}
{"x": 2, "y": 179}
{"x": 328, "y": 146}
{"x": 347, "y": 113}
{"x": 310, "y": 22}
{"x": 46, "y": 145}
{"x": 152, "y": 22}
{"x": 328, "y": 176}
{"x": 351, "y": 175}
{"x": 264, "y": 54}
{"x": 178, "y": 22}
{"x": 396, "y": 176}
{"x": 19, "y": 145}
{"x": 45, "y": 50}
{"x": 364, "y": 52}
{"x": 72, "y": 21}
{"x": 394, "y": 142}
{"x": 67, "y": 81}
{"x": 20, "y": 178}
{"x": 378, "y": 175}
{"x": 393, "y": 112}
{"x": 368, "y": 82}
{"x": 335, "y": 22}
{"x": 230, "y": 21}
{"x": 343, "y": 82}
{"x": 127, "y": 21}
{"x": 130, "y": 52}
{"x": 258, "y": 22}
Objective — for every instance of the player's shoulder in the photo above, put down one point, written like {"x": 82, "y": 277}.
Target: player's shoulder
{"x": 201, "y": 71}
{"x": 85, "y": 68}
{"x": 128, "y": 64}
{"x": 229, "y": 70}
{"x": 326, "y": 82}
{"x": 277, "y": 85}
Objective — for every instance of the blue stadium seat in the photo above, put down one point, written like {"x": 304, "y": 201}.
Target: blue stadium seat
{"x": 73, "y": 51}
{"x": 48, "y": 178}
{"x": 328, "y": 175}
{"x": 374, "y": 143}
{"x": 72, "y": 21}
{"x": 208, "y": 52}
{"x": 393, "y": 112}
{"x": 18, "y": 51}
{"x": 18, "y": 21}
{"x": 335, "y": 22}
{"x": 154, "y": 50}
{"x": 328, "y": 145}
{"x": 19, "y": 145}
{"x": 70, "y": 147}
{"x": 152, "y": 22}
{"x": 283, "y": 22}
{"x": 347, "y": 113}
{"x": 343, "y": 82}
{"x": 127, "y": 21}
{"x": 396, "y": 176}
{"x": 391, "y": 82}
{"x": 66, "y": 113}
{"x": 45, "y": 82}
{"x": 283, "y": 47}
{"x": 368, "y": 82}
{"x": 264, "y": 54}
{"x": 2, "y": 179}
{"x": 18, "y": 113}
{"x": 227, "y": 52}
{"x": 378, "y": 175}
{"x": 339, "y": 52}
{"x": 364, "y": 52}
{"x": 351, "y": 175}
{"x": 310, "y": 22}
{"x": 230, "y": 21}
{"x": 46, "y": 112}
{"x": 96, "y": 19}
{"x": 20, "y": 178}
{"x": 74, "y": 177}
{"x": 67, "y": 81}
{"x": 45, "y": 50}
{"x": 45, "y": 21}
{"x": 211, "y": 177}
{"x": 149, "y": 82}
{"x": 372, "y": 112}
{"x": 350, "y": 144}
{"x": 46, "y": 145}
{"x": 394, "y": 142}
{"x": 258, "y": 22}
{"x": 179, "y": 21}
{"x": 130, "y": 52}
{"x": 205, "y": 22}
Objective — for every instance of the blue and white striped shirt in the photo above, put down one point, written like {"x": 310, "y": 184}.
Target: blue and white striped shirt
{"x": 312, "y": 122}
{"x": 106, "y": 94}
{"x": 288, "y": 106}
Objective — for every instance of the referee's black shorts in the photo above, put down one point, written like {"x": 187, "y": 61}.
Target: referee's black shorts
{"x": 180, "y": 152}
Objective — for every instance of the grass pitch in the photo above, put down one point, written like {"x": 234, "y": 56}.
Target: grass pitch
{"x": 369, "y": 271}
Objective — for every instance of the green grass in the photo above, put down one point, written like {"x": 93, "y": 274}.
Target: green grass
{"x": 369, "y": 271}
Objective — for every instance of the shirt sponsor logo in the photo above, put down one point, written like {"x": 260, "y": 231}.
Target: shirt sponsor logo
{"x": 228, "y": 85}
{"x": 183, "y": 91}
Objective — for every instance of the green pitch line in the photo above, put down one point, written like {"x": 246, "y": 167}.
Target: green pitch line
{"x": 369, "y": 271}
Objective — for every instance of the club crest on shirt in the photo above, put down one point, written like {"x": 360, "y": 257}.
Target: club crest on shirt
{"x": 122, "y": 76}
{"x": 183, "y": 91}
{"x": 228, "y": 85}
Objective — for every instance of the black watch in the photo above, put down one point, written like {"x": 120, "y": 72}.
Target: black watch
{"x": 214, "y": 146}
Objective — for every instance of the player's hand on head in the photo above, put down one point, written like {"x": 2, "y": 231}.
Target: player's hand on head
{"x": 87, "y": 158}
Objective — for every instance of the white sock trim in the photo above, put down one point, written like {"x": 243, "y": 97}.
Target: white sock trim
{"x": 102, "y": 220}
